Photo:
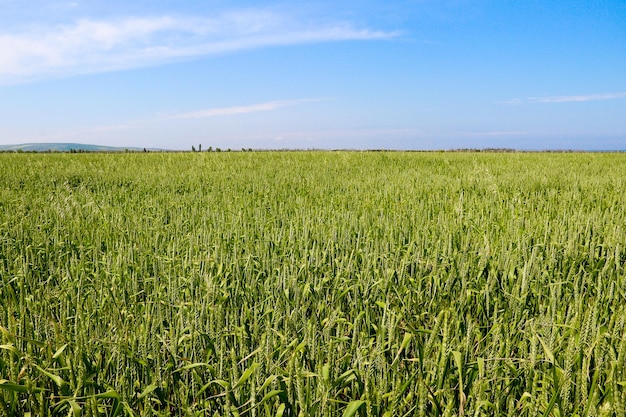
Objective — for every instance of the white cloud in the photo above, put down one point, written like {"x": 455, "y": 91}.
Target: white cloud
{"x": 567, "y": 99}
{"x": 88, "y": 45}
{"x": 253, "y": 108}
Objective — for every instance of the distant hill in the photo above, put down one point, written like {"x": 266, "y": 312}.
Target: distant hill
{"x": 64, "y": 147}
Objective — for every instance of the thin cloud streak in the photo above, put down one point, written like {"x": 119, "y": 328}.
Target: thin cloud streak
{"x": 142, "y": 123}
{"x": 254, "y": 108}
{"x": 567, "y": 99}
{"x": 91, "y": 46}
{"x": 494, "y": 133}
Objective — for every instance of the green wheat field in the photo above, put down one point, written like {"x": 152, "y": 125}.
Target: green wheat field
{"x": 313, "y": 284}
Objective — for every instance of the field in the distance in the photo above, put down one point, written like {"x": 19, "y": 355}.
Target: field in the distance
{"x": 313, "y": 284}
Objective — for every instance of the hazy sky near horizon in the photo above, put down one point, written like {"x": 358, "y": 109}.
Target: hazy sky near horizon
{"x": 397, "y": 74}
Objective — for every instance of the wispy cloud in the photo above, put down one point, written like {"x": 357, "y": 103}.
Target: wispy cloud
{"x": 253, "y": 108}
{"x": 141, "y": 124}
{"x": 494, "y": 133}
{"x": 89, "y": 45}
{"x": 567, "y": 99}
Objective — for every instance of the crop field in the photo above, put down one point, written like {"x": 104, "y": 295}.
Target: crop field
{"x": 313, "y": 284}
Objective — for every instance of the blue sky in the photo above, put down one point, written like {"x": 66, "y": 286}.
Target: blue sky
{"x": 397, "y": 74}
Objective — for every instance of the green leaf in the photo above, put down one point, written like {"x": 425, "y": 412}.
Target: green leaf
{"x": 352, "y": 408}
{"x": 6, "y": 334}
{"x": 481, "y": 366}
{"x": 246, "y": 375}
{"x": 251, "y": 354}
{"x": 270, "y": 395}
{"x": 221, "y": 383}
{"x": 405, "y": 342}
{"x": 147, "y": 391}
{"x": 57, "y": 379}
{"x": 75, "y": 409}
{"x": 128, "y": 409}
{"x": 192, "y": 366}
{"x": 59, "y": 351}
{"x": 267, "y": 382}
{"x": 547, "y": 351}
{"x": 10, "y": 386}
{"x": 344, "y": 378}
{"x": 10, "y": 348}
{"x": 108, "y": 394}
{"x": 326, "y": 372}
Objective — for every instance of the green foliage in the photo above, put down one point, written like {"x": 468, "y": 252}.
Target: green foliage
{"x": 312, "y": 283}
